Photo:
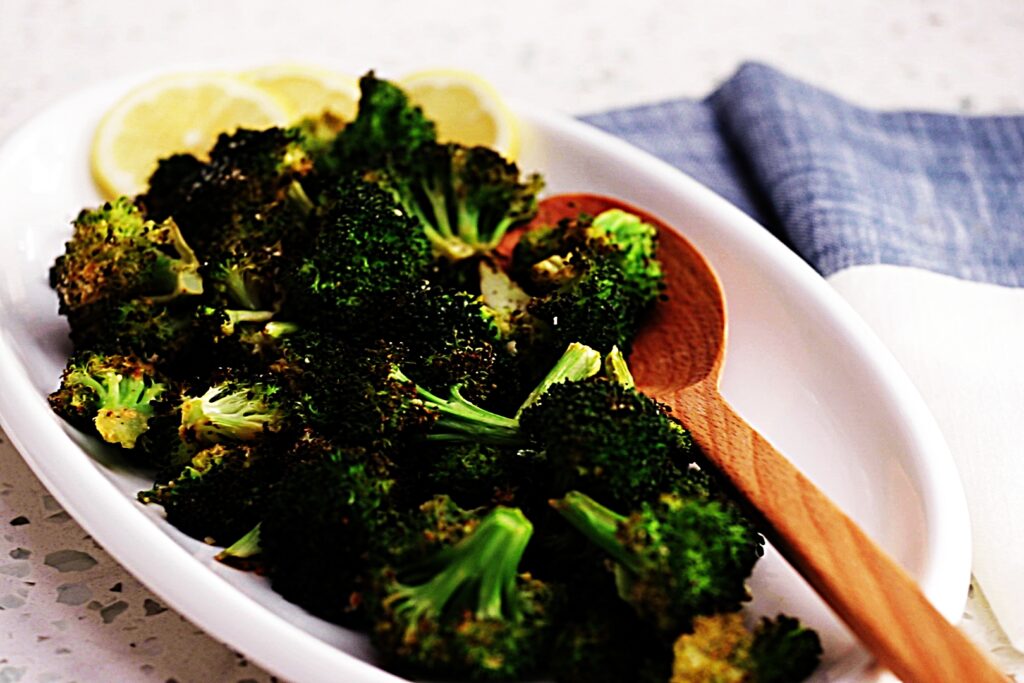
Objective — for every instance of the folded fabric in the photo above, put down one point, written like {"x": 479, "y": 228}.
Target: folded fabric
{"x": 918, "y": 220}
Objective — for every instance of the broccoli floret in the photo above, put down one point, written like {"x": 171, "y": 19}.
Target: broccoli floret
{"x": 465, "y": 198}
{"x": 461, "y": 420}
{"x": 674, "y": 559}
{"x": 116, "y": 254}
{"x": 609, "y": 440}
{"x": 220, "y": 494}
{"x": 235, "y": 409}
{"x": 636, "y": 245}
{"x": 594, "y": 278}
{"x": 234, "y": 198}
{"x": 365, "y": 247}
{"x": 321, "y": 522}
{"x": 387, "y": 128}
{"x": 349, "y": 392}
{"x": 475, "y": 473}
{"x": 441, "y": 337}
{"x": 111, "y": 393}
{"x": 245, "y": 211}
{"x": 159, "y": 331}
{"x": 720, "y": 649}
{"x": 467, "y": 610}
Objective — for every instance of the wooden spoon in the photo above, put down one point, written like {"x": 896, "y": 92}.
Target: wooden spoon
{"x": 678, "y": 359}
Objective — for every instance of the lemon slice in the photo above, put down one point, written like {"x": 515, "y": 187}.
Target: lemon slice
{"x": 309, "y": 90}
{"x": 171, "y": 114}
{"x": 466, "y": 109}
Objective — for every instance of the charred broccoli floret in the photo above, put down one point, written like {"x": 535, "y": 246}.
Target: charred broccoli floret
{"x": 467, "y": 610}
{"x": 117, "y": 254}
{"x": 674, "y": 559}
{"x": 112, "y": 394}
{"x": 236, "y": 195}
{"x": 221, "y": 493}
{"x": 720, "y": 649}
{"x": 365, "y": 247}
{"x": 465, "y": 198}
{"x": 234, "y": 410}
{"x": 594, "y": 279}
{"x": 321, "y": 522}
{"x": 608, "y": 440}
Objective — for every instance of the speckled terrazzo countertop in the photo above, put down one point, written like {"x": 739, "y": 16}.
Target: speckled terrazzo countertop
{"x": 68, "y": 611}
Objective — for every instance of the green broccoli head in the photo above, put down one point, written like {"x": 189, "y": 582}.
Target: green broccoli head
{"x": 467, "y": 610}
{"x": 235, "y": 409}
{"x": 440, "y": 336}
{"x": 246, "y": 192}
{"x": 594, "y": 279}
{"x": 674, "y": 559}
{"x": 465, "y": 198}
{"x": 608, "y": 439}
{"x": 219, "y": 495}
{"x": 116, "y": 254}
{"x": 110, "y": 393}
{"x": 365, "y": 247}
{"x": 387, "y": 128}
{"x": 159, "y": 331}
{"x": 636, "y": 247}
{"x": 320, "y": 523}
{"x": 350, "y": 392}
{"x": 720, "y": 649}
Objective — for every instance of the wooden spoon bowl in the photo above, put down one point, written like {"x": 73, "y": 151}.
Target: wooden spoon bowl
{"x": 678, "y": 359}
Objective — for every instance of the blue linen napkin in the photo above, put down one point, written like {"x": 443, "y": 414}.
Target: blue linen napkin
{"x": 910, "y": 216}
{"x": 843, "y": 185}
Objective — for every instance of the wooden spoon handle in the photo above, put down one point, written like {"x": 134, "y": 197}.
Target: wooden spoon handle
{"x": 874, "y": 596}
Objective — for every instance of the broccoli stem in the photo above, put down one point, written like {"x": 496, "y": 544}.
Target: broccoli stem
{"x": 468, "y": 221}
{"x": 297, "y": 194}
{"x": 245, "y": 547}
{"x": 436, "y": 195}
{"x": 599, "y": 524}
{"x": 615, "y": 368}
{"x": 234, "y": 280}
{"x": 180, "y": 275}
{"x": 479, "y": 572}
{"x": 461, "y": 420}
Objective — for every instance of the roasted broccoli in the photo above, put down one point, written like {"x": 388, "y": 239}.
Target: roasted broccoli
{"x": 467, "y": 610}
{"x": 320, "y": 523}
{"x": 365, "y": 248}
{"x": 112, "y": 394}
{"x": 234, "y": 409}
{"x": 464, "y": 198}
{"x": 720, "y": 649}
{"x": 221, "y": 493}
{"x": 386, "y": 129}
{"x": 594, "y": 279}
{"x": 674, "y": 559}
{"x": 609, "y": 440}
{"x": 115, "y": 253}
{"x": 345, "y": 361}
